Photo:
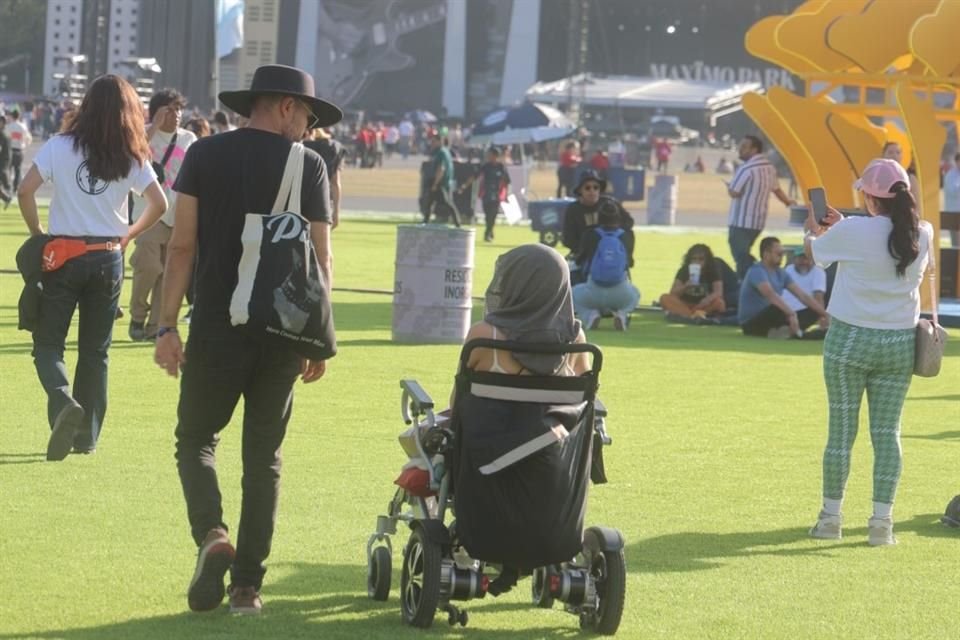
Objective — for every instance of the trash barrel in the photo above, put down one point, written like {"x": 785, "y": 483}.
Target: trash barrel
{"x": 432, "y": 295}
{"x": 662, "y": 201}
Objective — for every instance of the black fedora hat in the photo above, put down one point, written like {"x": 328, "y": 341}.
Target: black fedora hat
{"x": 278, "y": 79}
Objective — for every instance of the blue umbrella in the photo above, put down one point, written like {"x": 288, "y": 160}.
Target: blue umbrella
{"x": 529, "y": 122}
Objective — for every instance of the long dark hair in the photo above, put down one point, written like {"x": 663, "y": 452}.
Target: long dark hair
{"x": 108, "y": 128}
{"x": 904, "y": 241}
{"x": 709, "y": 273}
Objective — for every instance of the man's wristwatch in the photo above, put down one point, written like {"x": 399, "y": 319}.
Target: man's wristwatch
{"x": 162, "y": 331}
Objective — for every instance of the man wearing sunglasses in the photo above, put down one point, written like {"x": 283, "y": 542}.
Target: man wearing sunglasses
{"x": 224, "y": 177}
{"x": 584, "y": 213}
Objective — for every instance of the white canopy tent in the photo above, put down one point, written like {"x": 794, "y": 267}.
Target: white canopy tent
{"x": 713, "y": 99}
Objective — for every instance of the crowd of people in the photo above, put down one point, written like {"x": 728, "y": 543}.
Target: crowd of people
{"x": 208, "y": 191}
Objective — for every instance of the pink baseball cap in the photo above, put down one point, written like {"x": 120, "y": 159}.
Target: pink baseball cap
{"x": 880, "y": 176}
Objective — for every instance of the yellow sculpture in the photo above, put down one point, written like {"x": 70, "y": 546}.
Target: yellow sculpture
{"x": 897, "y": 55}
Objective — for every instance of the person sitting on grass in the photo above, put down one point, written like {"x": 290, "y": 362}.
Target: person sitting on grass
{"x": 697, "y": 291}
{"x": 811, "y": 279}
{"x": 604, "y": 258}
{"x": 762, "y": 310}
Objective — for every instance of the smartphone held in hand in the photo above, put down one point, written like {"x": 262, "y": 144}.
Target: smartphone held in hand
{"x": 817, "y": 198}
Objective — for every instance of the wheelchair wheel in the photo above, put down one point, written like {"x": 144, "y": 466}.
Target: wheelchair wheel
{"x": 378, "y": 574}
{"x": 540, "y": 588}
{"x": 609, "y": 569}
{"x": 420, "y": 580}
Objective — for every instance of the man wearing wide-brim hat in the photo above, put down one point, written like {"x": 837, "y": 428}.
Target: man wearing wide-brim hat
{"x": 222, "y": 179}
{"x": 583, "y": 214}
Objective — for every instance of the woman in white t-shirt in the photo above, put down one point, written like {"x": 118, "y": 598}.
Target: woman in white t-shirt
{"x": 99, "y": 158}
{"x": 874, "y": 308}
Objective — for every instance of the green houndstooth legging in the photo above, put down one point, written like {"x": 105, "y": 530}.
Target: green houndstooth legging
{"x": 879, "y": 361}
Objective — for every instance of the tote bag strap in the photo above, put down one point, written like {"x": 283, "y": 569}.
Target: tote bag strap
{"x": 932, "y": 277}
{"x": 288, "y": 195}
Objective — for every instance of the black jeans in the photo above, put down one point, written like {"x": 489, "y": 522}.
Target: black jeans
{"x": 6, "y": 193}
{"x": 490, "y": 211}
{"x": 220, "y": 369}
{"x": 773, "y": 317}
{"x": 439, "y": 197}
{"x": 741, "y": 240}
{"x": 92, "y": 282}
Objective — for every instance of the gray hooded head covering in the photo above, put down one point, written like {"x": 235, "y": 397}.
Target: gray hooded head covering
{"x": 529, "y": 299}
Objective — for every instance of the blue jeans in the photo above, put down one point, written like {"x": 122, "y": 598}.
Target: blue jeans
{"x": 741, "y": 240}
{"x": 589, "y": 297}
{"x": 92, "y": 282}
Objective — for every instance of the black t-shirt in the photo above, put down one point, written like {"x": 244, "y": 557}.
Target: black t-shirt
{"x": 697, "y": 292}
{"x": 232, "y": 174}
{"x": 492, "y": 174}
{"x": 578, "y": 218}
{"x": 330, "y": 150}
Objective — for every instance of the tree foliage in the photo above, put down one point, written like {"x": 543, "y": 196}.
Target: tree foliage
{"x": 22, "y": 24}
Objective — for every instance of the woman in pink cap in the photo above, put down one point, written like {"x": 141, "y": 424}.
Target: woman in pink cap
{"x": 881, "y": 259}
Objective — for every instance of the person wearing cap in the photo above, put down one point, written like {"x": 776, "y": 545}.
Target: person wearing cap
{"x": 874, "y": 309}
{"x": 749, "y": 192}
{"x": 168, "y": 147}
{"x": 812, "y": 279}
{"x": 762, "y": 310}
{"x": 224, "y": 177}
{"x": 494, "y": 181}
{"x": 440, "y": 181}
{"x": 584, "y": 213}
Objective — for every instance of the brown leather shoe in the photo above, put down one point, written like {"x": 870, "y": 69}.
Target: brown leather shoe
{"x": 245, "y": 601}
{"x": 214, "y": 558}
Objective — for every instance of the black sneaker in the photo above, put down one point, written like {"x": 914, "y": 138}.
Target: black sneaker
{"x": 64, "y": 428}
{"x": 137, "y": 331}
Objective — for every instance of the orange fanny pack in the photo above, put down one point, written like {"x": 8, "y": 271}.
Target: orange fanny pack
{"x": 59, "y": 251}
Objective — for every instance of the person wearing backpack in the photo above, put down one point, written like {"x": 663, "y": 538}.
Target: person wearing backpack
{"x": 605, "y": 257}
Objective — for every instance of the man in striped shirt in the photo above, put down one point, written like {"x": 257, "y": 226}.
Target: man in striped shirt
{"x": 750, "y": 191}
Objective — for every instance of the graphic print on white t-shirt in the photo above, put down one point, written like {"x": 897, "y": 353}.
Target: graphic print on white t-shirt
{"x": 83, "y": 204}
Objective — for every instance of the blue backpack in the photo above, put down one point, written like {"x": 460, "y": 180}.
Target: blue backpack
{"x": 608, "y": 267}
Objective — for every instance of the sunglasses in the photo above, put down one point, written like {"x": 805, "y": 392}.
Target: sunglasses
{"x": 590, "y": 187}
{"x": 312, "y": 120}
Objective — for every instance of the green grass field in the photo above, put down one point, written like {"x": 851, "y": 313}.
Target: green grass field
{"x": 715, "y": 478}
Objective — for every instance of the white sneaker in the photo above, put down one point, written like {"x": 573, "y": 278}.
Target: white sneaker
{"x": 592, "y": 321}
{"x": 880, "y": 531}
{"x": 828, "y": 527}
{"x": 621, "y": 321}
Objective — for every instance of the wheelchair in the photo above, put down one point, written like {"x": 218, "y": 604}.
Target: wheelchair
{"x": 510, "y": 468}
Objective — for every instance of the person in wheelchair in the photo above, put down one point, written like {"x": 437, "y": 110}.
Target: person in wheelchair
{"x": 529, "y": 300}
{"x": 512, "y": 464}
